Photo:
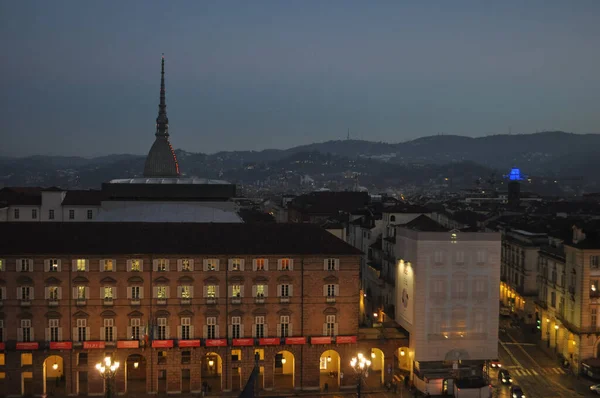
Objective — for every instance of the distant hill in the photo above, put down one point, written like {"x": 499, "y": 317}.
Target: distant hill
{"x": 554, "y": 154}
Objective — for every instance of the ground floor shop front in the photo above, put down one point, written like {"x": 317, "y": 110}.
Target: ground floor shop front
{"x": 318, "y": 364}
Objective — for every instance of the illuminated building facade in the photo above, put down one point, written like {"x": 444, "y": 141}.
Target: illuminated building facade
{"x": 447, "y": 284}
{"x": 182, "y": 306}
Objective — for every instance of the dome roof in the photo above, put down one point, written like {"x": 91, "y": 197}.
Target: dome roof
{"x": 161, "y": 160}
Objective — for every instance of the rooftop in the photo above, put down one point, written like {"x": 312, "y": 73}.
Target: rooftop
{"x": 424, "y": 224}
{"x": 99, "y": 238}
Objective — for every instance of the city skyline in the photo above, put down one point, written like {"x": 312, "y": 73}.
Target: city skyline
{"x": 274, "y": 75}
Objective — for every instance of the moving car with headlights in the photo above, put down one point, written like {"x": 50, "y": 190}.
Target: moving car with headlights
{"x": 595, "y": 388}
{"x": 504, "y": 376}
{"x": 495, "y": 364}
{"x": 516, "y": 392}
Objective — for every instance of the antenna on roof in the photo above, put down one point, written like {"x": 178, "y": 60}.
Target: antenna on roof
{"x": 348, "y": 136}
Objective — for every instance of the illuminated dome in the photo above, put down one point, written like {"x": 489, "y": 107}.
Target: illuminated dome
{"x": 161, "y": 160}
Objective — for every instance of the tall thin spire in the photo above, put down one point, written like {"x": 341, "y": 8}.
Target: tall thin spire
{"x": 162, "y": 121}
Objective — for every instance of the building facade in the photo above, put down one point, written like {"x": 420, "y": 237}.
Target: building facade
{"x": 519, "y": 271}
{"x": 447, "y": 285}
{"x": 182, "y": 307}
{"x": 569, "y": 299}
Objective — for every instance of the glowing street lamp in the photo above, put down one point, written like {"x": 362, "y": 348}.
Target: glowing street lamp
{"x": 108, "y": 370}
{"x": 361, "y": 366}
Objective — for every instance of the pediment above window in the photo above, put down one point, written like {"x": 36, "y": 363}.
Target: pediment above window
{"x": 108, "y": 281}
{"x": 185, "y": 279}
{"x": 81, "y": 314}
{"x": 211, "y": 281}
{"x": 236, "y": 312}
{"x": 162, "y": 314}
{"x": 135, "y": 314}
{"x": 24, "y": 281}
{"x": 185, "y": 313}
{"x": 331, "y": 279}
{"x": 135, "y": 279}
{"x": 52, "y": 281}
{"x": 212, "y": 312}
{"x": 53, "y": 315}
{"x": 330, "y": 311}
{"x": 24, "y": 315}
{"x": 260, "y": 279}
{"x": 284, "y": 311}
{"x": 237, "y": 279}
{"x": 108, "y": 314}
{"x": 260, "y": 311}
{"x": 285, "y": 279}
{"x": 81, "y": 280}
{"x": 161, "y": 281}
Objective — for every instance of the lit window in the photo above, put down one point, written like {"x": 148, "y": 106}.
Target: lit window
{"x": 236, "y": 264}
{"x": 26, "y": 358}
{"x": 136, "y": 265}
{"x": 186, "y": 292}
{"x": 162, "y": 265}
{"x": 285, "y": 264}
{"x": 185, "y": 265}
{"x": 211, "y": 264}
{"x": 81, "y": 264}
{"x": 53, "y": 265}
{"x": 260, "y": 264}
{"x": 81, "y": 290}
{"x": 1, "y": 265}
{"x": 53, "y": 293}
{"x": 211, "y": 291}
{"x": 108, "y": 265}
{"x": 161, "y": 292}
{"x": 108, "y": 293}
{"x": 260, "y": 291}
{"x": 236, "y": 291}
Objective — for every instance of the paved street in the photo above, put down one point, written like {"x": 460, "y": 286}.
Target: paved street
{"x": 535, "y": 371}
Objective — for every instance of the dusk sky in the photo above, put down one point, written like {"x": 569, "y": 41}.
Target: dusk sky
{"x": 82, "y": 77}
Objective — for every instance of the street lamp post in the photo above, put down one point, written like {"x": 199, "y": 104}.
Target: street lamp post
{"x": 108, "y": 370}
{"x": 361, "y": 366}
{"x": 548, "y": 333}
{"x": 556, "y": 338}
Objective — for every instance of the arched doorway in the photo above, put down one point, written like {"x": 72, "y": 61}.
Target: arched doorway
{"x": 377, "y": 371}
{"x": 54, "y": 376}
{"x": 329, "y": 365}
{"x": 212, "y": 369}
{"x": 283, "y": 371}
{"x": 135, "y": 374}
{"x": 403, "y": 358}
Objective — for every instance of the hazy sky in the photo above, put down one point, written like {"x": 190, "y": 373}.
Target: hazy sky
{"x": 82, "y": 77}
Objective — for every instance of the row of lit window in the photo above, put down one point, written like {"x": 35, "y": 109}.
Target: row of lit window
{"x": 81, "y": 292}
{"x": 163, "y": 265}
{"x": 160, "y": 330}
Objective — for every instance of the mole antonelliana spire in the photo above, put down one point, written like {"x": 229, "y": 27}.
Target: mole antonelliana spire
{"x": 161, "y": 160}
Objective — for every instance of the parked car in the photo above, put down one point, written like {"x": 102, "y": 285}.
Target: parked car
{"x": 516, "y": 392}
{"x": 495, "y": 363}
{"x": 504, "y": 376}
{"x": 595, "y": 388}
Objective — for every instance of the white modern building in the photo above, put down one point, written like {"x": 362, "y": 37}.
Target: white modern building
{"x": 447, "y": 291}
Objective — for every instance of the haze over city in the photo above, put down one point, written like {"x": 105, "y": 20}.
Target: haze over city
{"x": 82, "y": 78}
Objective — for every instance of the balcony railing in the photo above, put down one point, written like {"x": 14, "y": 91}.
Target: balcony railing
{"x": 284, "y": 299}
{"x": 259, "y": 299}
{"x": 135, "y": 301}
{"x": 185, "y": 301}
{"x": 108, "y": 301}
{"x": 331, "y": 299}
{"x": 81, "y": 301}
{"x": 211, "y": 300}
{"x": 161, "y": 301}
{"x": 236, "y": 300}
{"x": 25, "y": 302}
{"x": 53, "y": 302}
